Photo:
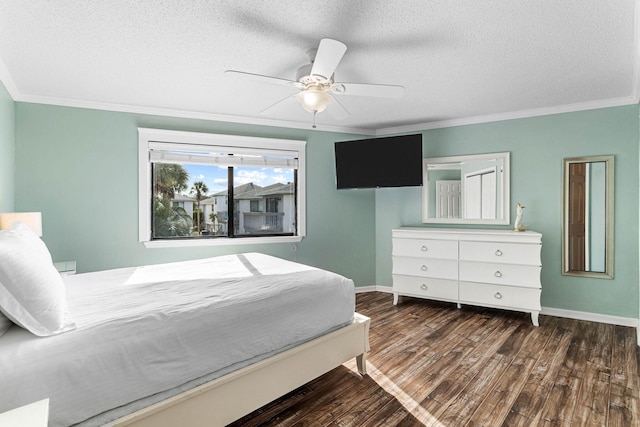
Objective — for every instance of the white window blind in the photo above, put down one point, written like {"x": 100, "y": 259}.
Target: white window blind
{"x": 259, "y": 158}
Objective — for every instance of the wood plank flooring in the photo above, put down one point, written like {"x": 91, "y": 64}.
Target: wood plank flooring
{"x": 434, "y": 365}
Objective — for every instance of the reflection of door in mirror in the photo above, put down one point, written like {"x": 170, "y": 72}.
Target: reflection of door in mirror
{"x": 448, "y": 198}
{"x": 577, "y": 209}
{"x": 588, "y": 226}
{"x": 586, "y": 216}
{"x": 480, "y": 194}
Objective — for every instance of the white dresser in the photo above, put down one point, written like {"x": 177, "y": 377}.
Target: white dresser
{"x": 491, "y": 268}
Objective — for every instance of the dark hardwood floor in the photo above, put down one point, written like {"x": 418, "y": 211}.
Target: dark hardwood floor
{"x": 432, "y": 364}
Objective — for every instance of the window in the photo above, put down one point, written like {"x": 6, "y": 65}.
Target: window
{"x": 208, "y": 189}
{"x": 272, "y": 204}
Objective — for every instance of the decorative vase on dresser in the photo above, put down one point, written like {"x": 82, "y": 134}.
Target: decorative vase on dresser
{"x": 490, "y": 268}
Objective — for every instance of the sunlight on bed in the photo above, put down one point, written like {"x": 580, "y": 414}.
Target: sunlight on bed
{"x": 403, "y": 398}
{"x": 232, "y": 266}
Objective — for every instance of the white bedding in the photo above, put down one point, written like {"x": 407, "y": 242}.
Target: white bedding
{"x": 150, "y": 329}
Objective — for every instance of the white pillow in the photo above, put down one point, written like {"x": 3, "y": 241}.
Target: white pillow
{"x": 32, "y": 293}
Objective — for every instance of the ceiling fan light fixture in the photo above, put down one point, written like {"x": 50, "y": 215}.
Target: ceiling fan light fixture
{"x": 317, "y": 84}
{"x": 313, "y": 100}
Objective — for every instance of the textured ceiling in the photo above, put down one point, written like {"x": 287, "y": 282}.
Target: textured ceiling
{"x": 460, "y": 62}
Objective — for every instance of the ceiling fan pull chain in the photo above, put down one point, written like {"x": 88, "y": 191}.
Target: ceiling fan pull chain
{"x": 314, "y": 119}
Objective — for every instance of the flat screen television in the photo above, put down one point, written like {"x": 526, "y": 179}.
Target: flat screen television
{"x": 394, "y": 161}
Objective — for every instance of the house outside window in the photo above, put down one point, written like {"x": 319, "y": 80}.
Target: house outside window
{"x": 249, "y": 171}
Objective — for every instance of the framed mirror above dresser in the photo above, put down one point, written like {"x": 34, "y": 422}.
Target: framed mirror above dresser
{"x": 471, "y": 189}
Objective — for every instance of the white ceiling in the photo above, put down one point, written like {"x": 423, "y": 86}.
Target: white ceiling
{"x": 460, "y": 61}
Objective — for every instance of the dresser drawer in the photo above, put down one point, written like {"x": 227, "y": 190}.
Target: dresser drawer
{"x": 425, "y": 248}
{"x": 500, "y": 296}
{"x": 425, "y": 287}
{"x": 504, "y": 253}
{"x": 500, "y": 274}
{"x": 426, "y": 267}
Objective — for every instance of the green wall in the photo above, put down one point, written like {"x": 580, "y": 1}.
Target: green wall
{"x": 537, "y": 146}
{"x": 80, "y": 168}
{"x": 7, "y": 144}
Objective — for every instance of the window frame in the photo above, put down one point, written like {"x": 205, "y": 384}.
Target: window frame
{"x": 147, "y": 137}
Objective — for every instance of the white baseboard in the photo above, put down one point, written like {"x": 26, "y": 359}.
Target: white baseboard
{"x": 373, "y": 288}
{"x": 591, "y": 317}
{"x": 550, "y": 311}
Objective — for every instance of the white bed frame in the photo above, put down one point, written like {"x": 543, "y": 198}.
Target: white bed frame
{"x": 228, "y": 398}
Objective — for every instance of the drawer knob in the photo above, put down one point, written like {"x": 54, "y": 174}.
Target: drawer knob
{"x": 498, "y": 274}
{"x": 424, "y": 287}
{"x": 424, "y": 248}
{"x": 423, "y": 268}
{"x": 497, "y": 295}
{"x": 498, "y": 252}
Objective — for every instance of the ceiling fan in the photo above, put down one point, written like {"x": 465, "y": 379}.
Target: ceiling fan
{"x": 317, "y": 85}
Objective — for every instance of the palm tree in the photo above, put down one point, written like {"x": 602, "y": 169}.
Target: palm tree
{"x": 199, "y": 190}
{"x": 168, "y": 220}
{"x": 169, "y": 179}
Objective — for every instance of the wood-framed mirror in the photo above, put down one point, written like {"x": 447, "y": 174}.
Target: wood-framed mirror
{"x": 588, "y": 223}
{"x": 471, "y": 189}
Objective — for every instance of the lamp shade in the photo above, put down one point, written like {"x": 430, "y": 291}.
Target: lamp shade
{"x": 31, "y": 219}
{"x": 314, "y": 100}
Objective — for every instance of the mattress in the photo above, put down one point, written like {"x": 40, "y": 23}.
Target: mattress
{"x": 147, "y": 331}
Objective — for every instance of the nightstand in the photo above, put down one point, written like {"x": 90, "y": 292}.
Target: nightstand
{"x": 65, "y": 268}
{"x": 32, "y": 415}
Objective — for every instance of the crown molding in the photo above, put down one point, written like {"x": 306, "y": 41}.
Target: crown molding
{"x": 569, "y": 108}
{"x": 125, "y": 108}
{"x": 17, "y": 96}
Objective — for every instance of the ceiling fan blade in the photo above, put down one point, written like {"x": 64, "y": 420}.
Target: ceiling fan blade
{"x": 271, "y": 108}
{"x": 264, "y": 79}
{"x": 337, "y": 110}
{"x": 328, "y": 56}
{"x": 363, "y": 89}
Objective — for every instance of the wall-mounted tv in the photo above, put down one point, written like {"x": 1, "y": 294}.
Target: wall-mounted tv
{"x": 394, "y": 161}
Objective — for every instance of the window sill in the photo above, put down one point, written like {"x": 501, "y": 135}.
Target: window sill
{"x": 221, "y": 241}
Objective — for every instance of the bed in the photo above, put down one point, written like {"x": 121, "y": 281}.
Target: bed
{"x": 199, "y": 342}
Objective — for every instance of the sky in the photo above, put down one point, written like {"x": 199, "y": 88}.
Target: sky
{"x": 215, "y": 177}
